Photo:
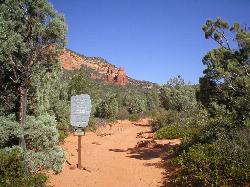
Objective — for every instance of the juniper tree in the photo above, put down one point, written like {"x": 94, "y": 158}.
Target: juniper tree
{"x": 226, "y": 79}
{"x": 32, "y": 35}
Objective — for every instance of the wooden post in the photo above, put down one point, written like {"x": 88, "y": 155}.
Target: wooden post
{"x": 79, "y": 152}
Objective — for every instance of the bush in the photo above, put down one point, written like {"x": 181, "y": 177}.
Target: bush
{"x": 41, "y": 137}
{"x": 50, "y": 158}
{"x": 215, "y": 149}
{"x": 9, "y": 132}
{"x": 123, "y": 114}
{"x": 177, "y": 95}
{"x": 170, "y": 132}
{"x": 134, "y": 117}
{"x": 218, "y": 154}
{"x": 152, "y": 101}
{"x": 164, "y": 118}
{"x": 63, "y": 130}
{"x": 135, "y": 104}
{"x": 13, "y": 171}
{"x": 224, "y": 163}
{"x": 40, "y": 132}
{"x": 94, "y": 123}
{"x": 108, "y": 107}
{"x": 62, "y": 114}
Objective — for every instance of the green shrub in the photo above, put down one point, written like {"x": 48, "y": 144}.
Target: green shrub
{"x": 9, "y": 132}
{"x": 135, "y": 104}
{"x": 41, "y": 137}
{"x": 41, "y": 132}
{"x": 135, "y": 117}
{"x": 50, "y": 158}
{"x": 62, "y": 114}
{"x": 108, "y": 107}
{"x": 177, "y": 95}
{"x": 170, "y": 132}
{"x": 123, "y": 113}
{"x": 13, "y": 171}
{"x": 152, "y": 101}
{"x": 94, "y": 123}
{"x": 63, "y": 131}
{"x": 165, "y": 118}
{"x": 216, "y": 154}
{"x": 224, "y": 163}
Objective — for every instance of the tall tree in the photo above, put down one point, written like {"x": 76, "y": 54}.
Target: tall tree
{"x": 32, "y": 34}
{"x": 226, "y": 80}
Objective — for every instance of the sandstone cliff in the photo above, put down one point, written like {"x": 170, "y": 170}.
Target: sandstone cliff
{"x": 104, "y": 71}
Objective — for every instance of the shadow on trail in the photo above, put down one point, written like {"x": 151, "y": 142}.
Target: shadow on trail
{"x": 141, "y": 124}
{"x": 146, "y": 150}
{"x": 149, "y": 149}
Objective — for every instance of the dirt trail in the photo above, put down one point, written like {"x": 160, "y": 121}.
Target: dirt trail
{"x": 123, "y": 155}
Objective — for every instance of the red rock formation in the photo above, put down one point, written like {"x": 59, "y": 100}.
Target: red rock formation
{"x": 116, "y": 76}
{"x": 112, "y": 75}
{"x": 122, "y": 78}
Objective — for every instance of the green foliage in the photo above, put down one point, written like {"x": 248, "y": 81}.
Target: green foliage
{"x": 32, "y": 37}
{"x": 9, "y": 132}
{"x": 224, "y": 163}
{"x": 108, "y": 107}
{"x": 133, "y": 101}
{"x": 173, "y": 124}
{"x": 49, "y": 158}
{"x": 226, "y": 79}
{"x": 48, "y": 94}
{"x": 177, "y": 95}
{"x": 13, "y": 171}
{"x": 135, "y": 117}
{"x": 152, "y": 100}
{"x": 41, "y": 137}
{"x": 164, "y": 118}
{"x": 218, "y": 153}
{"x": 123, "y": 113}
{"x": 81, "y": 83}
{"x": 170, "y": 132}
{"x": 62, "y": 114}
{"x": 40, "y": 132}
{"x": 135, "y": 104}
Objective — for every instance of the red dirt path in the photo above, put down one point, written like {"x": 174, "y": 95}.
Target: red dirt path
{"x": 123, "y": 155}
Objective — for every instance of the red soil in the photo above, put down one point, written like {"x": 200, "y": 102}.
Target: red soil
{"x": 123, "y": 155}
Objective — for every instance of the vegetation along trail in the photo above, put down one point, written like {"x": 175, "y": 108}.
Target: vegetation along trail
{"x": 123, "y": 154}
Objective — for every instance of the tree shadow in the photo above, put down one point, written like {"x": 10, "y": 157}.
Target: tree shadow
{"x": 118, "y": 150}
{"x": 148, "y": 150}
{"x": 141, "y": 124}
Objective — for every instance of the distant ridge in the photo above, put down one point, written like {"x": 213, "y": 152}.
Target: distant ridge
{"x": 100, "y": 69}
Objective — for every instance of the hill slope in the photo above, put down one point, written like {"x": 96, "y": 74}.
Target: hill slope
{"x": 100, "y": 69}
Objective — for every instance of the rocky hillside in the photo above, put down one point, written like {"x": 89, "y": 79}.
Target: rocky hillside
{"x": 101, "y": 69}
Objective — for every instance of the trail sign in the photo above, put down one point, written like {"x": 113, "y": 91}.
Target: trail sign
{"x": 80, "y": 110}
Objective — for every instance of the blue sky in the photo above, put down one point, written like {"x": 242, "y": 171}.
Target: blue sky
{"x": 153, "y": 40}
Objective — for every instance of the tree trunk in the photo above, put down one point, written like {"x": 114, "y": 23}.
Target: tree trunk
{"x": 22, "y": 114}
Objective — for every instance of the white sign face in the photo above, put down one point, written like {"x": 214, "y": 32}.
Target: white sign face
{"x": 80, "y": 110}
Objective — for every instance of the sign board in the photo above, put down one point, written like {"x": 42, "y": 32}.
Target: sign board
{"x": 80, "y": 110}
{"x": 79, "y": 132}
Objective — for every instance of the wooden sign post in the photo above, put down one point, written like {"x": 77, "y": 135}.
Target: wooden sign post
{"x": 79, "y": 152}
{"x": 79, "y": 118}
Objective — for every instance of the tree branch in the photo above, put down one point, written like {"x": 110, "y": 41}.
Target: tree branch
{"x": 223, "y": 35}
{"x": 219, "y": 43}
